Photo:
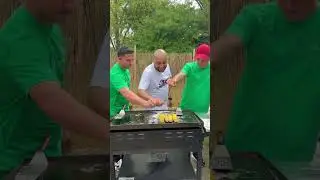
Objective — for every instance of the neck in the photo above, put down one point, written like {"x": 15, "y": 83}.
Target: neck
{"x": 36, "y": 13}
{"x": 121, "y": 66}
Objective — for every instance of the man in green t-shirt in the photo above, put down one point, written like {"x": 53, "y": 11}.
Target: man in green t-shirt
{"x": 33, "y": 104}
{"x": 120, "y": 94}
{"x": 196, "y": 91}
{"x": 276, "y": 106}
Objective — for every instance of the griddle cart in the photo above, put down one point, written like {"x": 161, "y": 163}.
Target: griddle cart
{"x": 138, "y": 132}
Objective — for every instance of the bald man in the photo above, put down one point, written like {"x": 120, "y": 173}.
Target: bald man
{"x": 153, "y": 83}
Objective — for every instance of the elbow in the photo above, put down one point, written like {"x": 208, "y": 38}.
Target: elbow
{"x": 54, "y": 107}
{"x": 49, "y": 97}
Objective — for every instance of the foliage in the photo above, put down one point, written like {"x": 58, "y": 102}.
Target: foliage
{"x": 152, "y": 24}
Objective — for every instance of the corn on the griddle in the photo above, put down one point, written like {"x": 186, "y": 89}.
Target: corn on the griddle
{"x": 168, "y": 118}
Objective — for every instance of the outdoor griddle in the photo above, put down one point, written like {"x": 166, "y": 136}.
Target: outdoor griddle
{"x": 90, "y": 167}
{"x": 138, "y": 133}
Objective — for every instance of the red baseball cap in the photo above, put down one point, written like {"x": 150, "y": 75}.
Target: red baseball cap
{"x": 203, "y": 52}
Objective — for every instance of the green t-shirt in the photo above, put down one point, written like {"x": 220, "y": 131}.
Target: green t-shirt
{"x": 276, "y": 107}
{"x": 119, "y": 78}
{"x": 196, "y": 91}
{"x": 30, "y": 53}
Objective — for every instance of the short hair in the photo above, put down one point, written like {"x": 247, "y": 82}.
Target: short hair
{"x": 159, "y": 51}
{"x": 124, "y": 51}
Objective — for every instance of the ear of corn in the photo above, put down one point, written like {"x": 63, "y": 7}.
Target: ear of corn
{"x": 168, "y": 118}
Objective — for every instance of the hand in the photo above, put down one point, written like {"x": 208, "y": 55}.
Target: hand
{"x": 148, "y": 104}
{"x": 157, "y": 101}
{"x": 172, "y": 82}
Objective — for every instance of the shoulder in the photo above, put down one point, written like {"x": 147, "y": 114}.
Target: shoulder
{"x": 148, "y": 69}
{"x": 188, "y": 67}
{"x": 114, "y": 69}
{"x": 22, "y": 38}
{"x": 127, "y": 72}
{"x": 19, "y": 24}
{"x": 168, "y": 69}
{"x": 23, "y": 46}
{"x": 261, "y": 8}
{"x": 190, "y": 64}
{"x": 261, "y": 12}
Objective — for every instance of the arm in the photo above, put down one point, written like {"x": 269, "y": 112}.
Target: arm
{"x": 33, "y": 77}
{"x": 133, "y": 98}
{"x": 183, "y": 73}
{"x": 143, "y": 85}
{"x": 237, "y": 36}
{"x": 98, "y": 95}
{"x": 179, "y": 77}
{"x": 225, "y": 47}
{"x": 142, "y": 93}
{"x": 120, "y": 85}
{"x": 67, "y": 112}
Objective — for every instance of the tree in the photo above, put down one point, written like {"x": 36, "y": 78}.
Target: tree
{"x": 173, "y": 27}
{"x": 151, "y": 24}
{"x": 125, "y": 17}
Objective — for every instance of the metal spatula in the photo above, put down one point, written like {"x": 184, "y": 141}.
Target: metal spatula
{"x": 37, "y": 165}
{"x": 121, "y": 114}
{"x": 179, "y": 112}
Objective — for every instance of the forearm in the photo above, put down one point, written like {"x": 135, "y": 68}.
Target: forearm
{"x": 70, "y": 114}
{"x": 98, "y": 99}
{"x": 178, "y": 77}
{"x": 142, "y": 93}
{"x": 132, "y": 97}
{"x": 225, "y": 47}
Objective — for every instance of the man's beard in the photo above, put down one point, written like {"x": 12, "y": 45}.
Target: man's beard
{"x": 159, "y": 70}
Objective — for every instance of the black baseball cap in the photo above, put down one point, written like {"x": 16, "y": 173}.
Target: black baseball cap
{"x": 124, "y": 50}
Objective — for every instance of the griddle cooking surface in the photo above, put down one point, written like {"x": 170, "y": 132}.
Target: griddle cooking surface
{"x": 142, "y": 120}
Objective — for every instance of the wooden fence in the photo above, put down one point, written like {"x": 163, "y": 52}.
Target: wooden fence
{"x": 176, "y": 62}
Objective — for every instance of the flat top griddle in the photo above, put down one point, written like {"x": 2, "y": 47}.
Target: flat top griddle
{"x": 250, "y": 166}
{"x": 142, "y": 120}
{"x": 95, "y": 167}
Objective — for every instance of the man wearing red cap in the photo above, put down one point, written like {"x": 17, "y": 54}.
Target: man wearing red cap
{"x": 196, "y": 92}
{"x": 276, "y": 106}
